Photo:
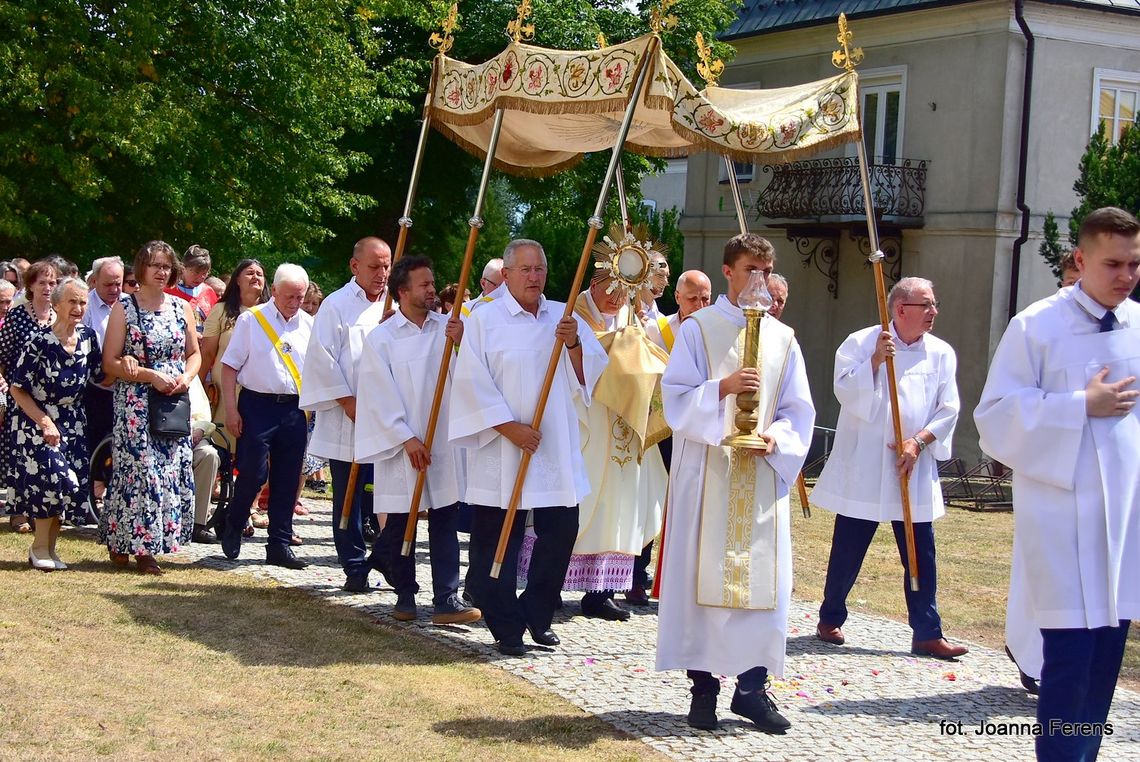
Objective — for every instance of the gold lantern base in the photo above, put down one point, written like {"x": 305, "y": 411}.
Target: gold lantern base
{"x": 745, "y": 441}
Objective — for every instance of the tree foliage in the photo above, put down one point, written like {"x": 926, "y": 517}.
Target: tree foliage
{"x": 1051, "y": 249}
{"x": 279, "y": 130}
{"x": 1109, "y": 176}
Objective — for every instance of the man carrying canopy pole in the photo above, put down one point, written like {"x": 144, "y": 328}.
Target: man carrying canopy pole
{"x": 493, "y": 392}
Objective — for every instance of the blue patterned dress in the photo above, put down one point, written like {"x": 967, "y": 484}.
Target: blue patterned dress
{"x": 52, "y": 481}
{"x": 152, "y": 481}
{"x": 19, "y": 326}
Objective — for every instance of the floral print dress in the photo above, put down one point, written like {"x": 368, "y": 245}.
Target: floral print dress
{"x": 19, "y": 326}
{"x": 52, "y": 481}
{"x": 149, "y": 508}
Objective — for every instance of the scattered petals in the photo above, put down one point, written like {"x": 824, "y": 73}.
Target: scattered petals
{"x": 590, "y": 660}
{"x": 950, "y": 676}
{"x": 874, "y": 672}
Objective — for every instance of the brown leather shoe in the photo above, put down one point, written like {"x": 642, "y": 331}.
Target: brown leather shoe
{"x": 830, "y": 634}
{"x": 938, "y": 648}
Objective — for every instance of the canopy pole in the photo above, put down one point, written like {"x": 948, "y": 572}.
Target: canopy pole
{"x": 475, "y": 223}
{"x": 876, "y": 258}
{"x": 623, "y": 202}
{"x": 595, "y": 224}
{"x": 405, "y": 222}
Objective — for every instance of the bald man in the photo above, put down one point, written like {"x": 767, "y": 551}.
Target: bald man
{"x": 329, "y": 384}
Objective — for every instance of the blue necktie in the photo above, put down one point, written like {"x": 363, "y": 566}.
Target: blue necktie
{"x": 1107, "y": 321}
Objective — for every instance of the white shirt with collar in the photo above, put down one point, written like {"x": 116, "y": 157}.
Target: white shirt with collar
{"x": 97, "y": 314}
{"x": 251, "y": 353}
{"x": 332, "y": 366}
{"x": 498, "y": 375}
{"x": 860, "y": 479}
{"x": 1095, "y": 311}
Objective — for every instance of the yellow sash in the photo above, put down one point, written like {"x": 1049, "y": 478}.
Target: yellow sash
{"x": 275, "y": 340}
{"x": 736, "y": 546}
{"x": 666, "y": 332}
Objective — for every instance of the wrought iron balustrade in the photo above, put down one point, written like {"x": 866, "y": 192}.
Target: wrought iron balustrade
{"x": 817, "y": 188}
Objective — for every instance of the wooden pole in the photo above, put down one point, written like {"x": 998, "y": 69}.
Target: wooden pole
{"x": 401, "y": 242}
{"x": 476, "y": 223}
{"x": 801, "y": 487}
{"x": 595, "y": 222}
{"x": 892, "y": 382}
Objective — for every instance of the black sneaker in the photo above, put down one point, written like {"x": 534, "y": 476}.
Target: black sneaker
{"x": 702, "y": 711}
{"x": 759, "y": 707}
{"x": 453, "y": 611}
{"x": 356, "y": 583}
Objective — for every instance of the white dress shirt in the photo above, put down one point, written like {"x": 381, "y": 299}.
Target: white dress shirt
{"x": 97, "y": 314}
{"x": 258, "y": 364}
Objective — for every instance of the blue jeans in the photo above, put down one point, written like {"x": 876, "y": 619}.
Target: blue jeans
{"x": 1078, "y": 679}
{"x": 350, "y": 548}
{"x": 443, "y": 550}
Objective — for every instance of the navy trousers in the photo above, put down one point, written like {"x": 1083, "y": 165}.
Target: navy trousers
{"x": 849, "y": 542}
{"x": 507, "y": 614}
{"x": 1078, "y": 679}
{"x": 272, "y": 443}
{"x": 350, "y": 548}
{"x": 443, "y": 550}
{"x": 750, "y": 680}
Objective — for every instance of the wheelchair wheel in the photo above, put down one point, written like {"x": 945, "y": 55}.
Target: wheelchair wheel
{"x": 99, "y": 470}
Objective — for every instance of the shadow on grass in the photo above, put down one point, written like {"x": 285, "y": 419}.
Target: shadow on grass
{"x": 560, "y": 730}
{"x": 278, "y": 627}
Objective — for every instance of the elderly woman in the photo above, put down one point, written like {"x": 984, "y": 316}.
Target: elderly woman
{"x": 20, "y": 324}
{"x": 151, "y": 345}
{"x": 47, "y": 384}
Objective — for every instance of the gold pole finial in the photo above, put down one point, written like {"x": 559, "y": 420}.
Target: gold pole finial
{"x": 846, "y": 57}
{"x": 710, "y": 68}
{"x": 519, "y": 31}
{"x": 602, "y": 41}
{"x": 443, "y": 42}
{"x": 659, "y": 17}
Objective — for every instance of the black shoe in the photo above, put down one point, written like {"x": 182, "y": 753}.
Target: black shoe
{"x": 369, "y": 532}
{"x": 405, "y": 610}
{"x": 608, "y": 610}
{"x": 511, "y": 649}
{"x": 759, "y": 707}
{"x": 217, "y": 521}
{"x": 1031, "y": 686}
{"x": 453, "y": 611}
{"x": 702, "y": 711}
{"x": 276, "y": 555}
{"x": 637, "y": 596}
{"x": 545, "y": 638}
{"x": 465, "y": 596}
{"x": 356, "y": 583}
{"x": 231, "y": 543}
{"x": 377, "y": 562}
{"x": 203, "y": 535}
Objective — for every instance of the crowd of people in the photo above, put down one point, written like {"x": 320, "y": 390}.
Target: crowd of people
{"x": 633, "y": 442}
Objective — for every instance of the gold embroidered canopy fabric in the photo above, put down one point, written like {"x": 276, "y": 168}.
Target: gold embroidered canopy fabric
{"x": 561, "y": 104}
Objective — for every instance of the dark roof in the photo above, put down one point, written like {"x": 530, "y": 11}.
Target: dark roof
{"x": 759, "y": 16}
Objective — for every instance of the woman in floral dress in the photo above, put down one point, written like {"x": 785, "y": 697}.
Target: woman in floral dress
{"x": 149, "y": 509}
{"x": 47, "y": 383}
{"x": 34, "y": 316}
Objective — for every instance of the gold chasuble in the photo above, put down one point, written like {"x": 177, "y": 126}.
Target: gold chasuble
{"x": 737, "y": 543}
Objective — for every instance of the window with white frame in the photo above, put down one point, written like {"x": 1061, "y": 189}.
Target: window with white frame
{"x": 883, "y": 93}
{"x": 1116, "y": 98}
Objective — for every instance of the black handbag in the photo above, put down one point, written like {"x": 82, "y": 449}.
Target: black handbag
{"x": 168, "y": 415}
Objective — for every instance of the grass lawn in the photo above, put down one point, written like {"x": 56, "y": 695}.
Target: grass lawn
{"x": 202, "y": 664}
{"x": 973, "y": 575}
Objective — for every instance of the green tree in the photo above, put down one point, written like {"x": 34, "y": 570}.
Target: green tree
{"x": 1109, "y": 176}
{"x": 1051, "y": 249}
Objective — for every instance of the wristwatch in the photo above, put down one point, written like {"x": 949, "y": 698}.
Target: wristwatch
{"x": 920, "y": 443}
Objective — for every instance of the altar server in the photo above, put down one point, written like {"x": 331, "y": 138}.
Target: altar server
{"x": 727, "y": 563}
{"x": 1059, "y": 409}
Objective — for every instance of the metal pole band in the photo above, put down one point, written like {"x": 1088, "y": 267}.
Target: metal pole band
{"x": 475, "y": 222}
{"x": 596, "y": 222}
{"x": 405, "y": 222}
{"x": 876, "y": 256}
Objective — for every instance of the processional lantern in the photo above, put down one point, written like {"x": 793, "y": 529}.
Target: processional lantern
{"x": 754, "y": 302}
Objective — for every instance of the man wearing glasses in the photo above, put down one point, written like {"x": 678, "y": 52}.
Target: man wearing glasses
{"x": 860, "y": 482}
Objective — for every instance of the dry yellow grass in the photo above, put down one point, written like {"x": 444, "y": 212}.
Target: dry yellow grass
{"x": 203, "y": 664}
{"x": 973, "y": 575}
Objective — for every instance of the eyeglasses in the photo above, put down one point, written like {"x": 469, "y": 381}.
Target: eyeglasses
{"x": 925, "y": 305}
{"x": 132, "y": 283}
{"x": 162, "y": 268}
{"x": 528, "y": 270}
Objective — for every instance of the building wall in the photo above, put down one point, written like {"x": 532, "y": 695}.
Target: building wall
{"x": 964, "y": 67}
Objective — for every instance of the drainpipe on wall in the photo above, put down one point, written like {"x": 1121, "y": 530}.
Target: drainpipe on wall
{"x": 1022, "y": 157}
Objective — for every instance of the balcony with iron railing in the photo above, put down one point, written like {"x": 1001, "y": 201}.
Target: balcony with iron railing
{"x": 829, "y": 190}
